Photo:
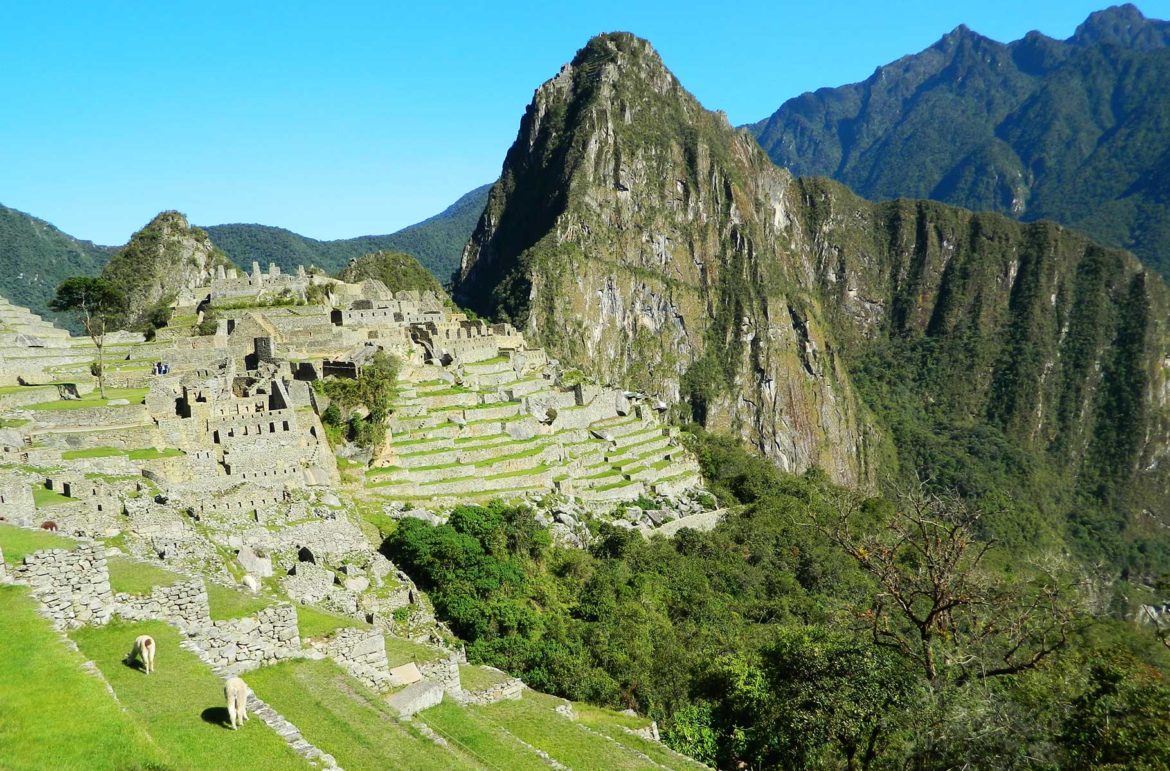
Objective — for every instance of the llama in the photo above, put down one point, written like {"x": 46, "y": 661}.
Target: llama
{"x": 250, "y": 582}
{"x": 49, "y": 525}
{"x": 235, "y": 691}
{"x": 143, "y": 650}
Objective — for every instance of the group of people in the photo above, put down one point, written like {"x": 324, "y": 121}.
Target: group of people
{"x": 160, "y": 368}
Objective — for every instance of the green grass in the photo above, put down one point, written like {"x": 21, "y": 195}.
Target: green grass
{"x": 134, "y": 577}
{"x": 536, "y": 723}
{"x": 74, "y": 724}
{"x": 319, "y": 623}
{"x": 151, "y": 453}
{"x": 92, "y": 452}
{"x": 475, "y": 678}
{"x": 133, "y": 395}
{"x": 13, "y": 422}
{"x": 181, "y": 704}
{"x": 610, "y": 723}
{"x": 229, "y": 603}
{"x": 347, "y": 720}
{"x": 400, "y": 651}
{"x": 480, "y": 737}
{"x": 17, "y": 542}
{"x": 43, "y": 496}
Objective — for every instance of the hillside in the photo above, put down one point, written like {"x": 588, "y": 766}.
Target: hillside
{"x": 35, "y": 257}
{"x": 396, "y": 270}
{"x": 436, "y": 242}
{"x": 641, "y": 238}
{"x": 1072, "y": 130}
{"x": 159, "y": 262}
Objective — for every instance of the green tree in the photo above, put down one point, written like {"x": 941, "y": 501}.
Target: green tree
{"x": 99, "y": 306}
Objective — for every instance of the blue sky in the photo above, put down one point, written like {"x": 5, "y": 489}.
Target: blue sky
{"x": 349, "y": 118}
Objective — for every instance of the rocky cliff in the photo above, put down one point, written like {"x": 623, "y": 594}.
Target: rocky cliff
{"x": 164, "y": 258}
{"x": 644, "y": 240}
{"x": 640, "y": 237}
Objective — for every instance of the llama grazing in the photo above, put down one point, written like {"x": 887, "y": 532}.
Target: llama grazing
{"x": 250, "y": 582}
{"x": 49, "y": 525}
{"x": 235, "y": 691}
{"x": 143, "y": 650}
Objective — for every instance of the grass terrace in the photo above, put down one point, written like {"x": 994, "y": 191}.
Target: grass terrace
{"x": 133, "y": 577}
{"x": 43, "y": 497}
{"x": 343, "y": 717}
{"x": 482, "y": 737}
{"x": 314, "y": 623}
{"x": 132, "y": 395}
{"x": 75, "y": 724}
{"x": 227, "y": 603}
{"x": 181, "y": 705}
{"x": 18, "y": 542}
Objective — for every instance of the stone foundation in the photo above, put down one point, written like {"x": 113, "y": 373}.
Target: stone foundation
{"x": 73, "y": 586}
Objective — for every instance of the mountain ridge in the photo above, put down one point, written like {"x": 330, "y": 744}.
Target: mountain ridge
{"x": 639, "y": 237}
{"x": 1036, "y": 128}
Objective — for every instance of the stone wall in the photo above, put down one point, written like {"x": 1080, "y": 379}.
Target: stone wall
{"x": 510, "y": 689}
{"x": 362, "y": 653}
{"x": 72, "y": 585}
{"x": 243, "y": 644}
{"x": 184, "y": 603}
{"x": 445, "y": 672}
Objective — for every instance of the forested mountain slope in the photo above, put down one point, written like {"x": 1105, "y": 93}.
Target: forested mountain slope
{"x": 1072, "y": 130}
{"x": 641, "y": 238}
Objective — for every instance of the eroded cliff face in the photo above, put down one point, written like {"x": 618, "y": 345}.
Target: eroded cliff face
{"x": 639, "y": 237}
{"x": 645, "y": 241}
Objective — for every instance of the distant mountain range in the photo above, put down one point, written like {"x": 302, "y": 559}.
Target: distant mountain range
{"x": 436, "y": 242}
{"x": 1074, "y": 130}
{"x": 35, "y": 256}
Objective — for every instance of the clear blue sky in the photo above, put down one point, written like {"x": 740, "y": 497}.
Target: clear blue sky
{"x": 338, "y": 119}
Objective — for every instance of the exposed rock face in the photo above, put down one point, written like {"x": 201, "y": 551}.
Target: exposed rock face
{"x": 641, "y": 238}
{"x": 644, "y": 240}
{"x": 162, "y": 260}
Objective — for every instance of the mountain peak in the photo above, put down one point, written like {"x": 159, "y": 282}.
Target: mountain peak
{"x": 1122, "y": 25}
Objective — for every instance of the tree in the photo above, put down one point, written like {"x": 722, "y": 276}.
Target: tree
{"x": 99, "y": 306}
{"x": 938, "y": 602}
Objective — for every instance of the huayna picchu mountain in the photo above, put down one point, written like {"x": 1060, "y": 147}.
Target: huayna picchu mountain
{"x": 641, "y": 238}
{"x": 1072, "y": 130}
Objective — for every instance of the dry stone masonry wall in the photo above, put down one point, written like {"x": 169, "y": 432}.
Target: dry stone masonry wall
{"x": 73, "y": 586}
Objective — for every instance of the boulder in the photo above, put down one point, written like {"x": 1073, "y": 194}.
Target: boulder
{"x": 253, "y": 563}
{"x": 407, "y": 674}
{"x": 416, "y": 697}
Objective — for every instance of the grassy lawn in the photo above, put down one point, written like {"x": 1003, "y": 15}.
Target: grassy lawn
{"x": 400, "y": 651}
{"x": 229, "y": 603}
{"x": 92, "y": 452}
{"x": 560, "y": 737}
{"x": 319, "y": 623}
{"x": 135, "y": 577}
{"x": 475, "y": 678}
{"x": 610, "y": 723}
{"x": 347, "y": 720}
{"x": 17, "y": 542}
{"x": 145, "y": 453}
{"x": 181, "y": 704}
{"x": 480, "y": 737}
{"x": 132, "y": 395}
{"x": 43, "y": 496}
{"x": 72, "y": 725}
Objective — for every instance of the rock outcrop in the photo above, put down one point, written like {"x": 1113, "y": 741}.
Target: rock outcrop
{"x": 639, "y": 237}
{"x": 160, "y": 261}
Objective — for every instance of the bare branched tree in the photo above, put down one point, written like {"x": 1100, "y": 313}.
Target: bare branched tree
{"x": 938, "y": 601}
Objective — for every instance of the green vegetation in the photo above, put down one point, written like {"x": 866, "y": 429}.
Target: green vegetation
{"x": 401, "y": 651}
{"x": 43, "y": 497}
{"x": 436, "y": 242}
{"x": 480, "y": 736}
{"x": 398, "y": 271}
{"x": 229, "y": 603}
{"x": 132, "y": 395}
{"x": 373, "y": 391}
{"x": 1038, "y": 129}
{"x": 18, "y": 542}
{"x": 134, "y": 577}
{"x": 475, "y": 678}
{"x": 336, "y": 712}
{"x": 146, "y": 453}
{"x": 181, "y": 704}
{"x": 38, "y": 257}
{"x": 778, "y": 639}
{"x": 151, "y": 267}
{"x": 99, "y": 306}
{"x": 44, "y": 693}
{"x": 314, "y": 623}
